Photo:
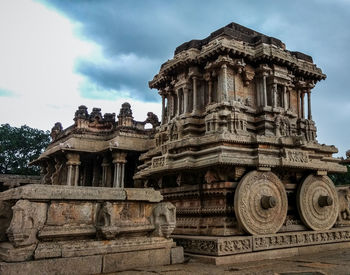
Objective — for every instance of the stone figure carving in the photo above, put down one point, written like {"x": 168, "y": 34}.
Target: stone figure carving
{"x": 27, "y": 219}
{"x": 174, "y": 132}
{"x": 95, "y": 115}
{"x": 125, "y": 110}
{"x": 106, "y": 221}
{"x": 153, "y": 119}
{"x": 56, "y": 130}
{"x": 211, "y": 176}
{"x": 55, "y": 178}
{"x": 344, "y": 204}
{"x": 109, "y": 117}
{"x": 81, "y": 113}
{"x": 282, "y": 126}
{"x": 164, "y": 219}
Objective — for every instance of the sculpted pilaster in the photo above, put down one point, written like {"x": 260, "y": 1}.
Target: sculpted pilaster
{"x": 119, "y": 160}
{"x": 73, "y": 162}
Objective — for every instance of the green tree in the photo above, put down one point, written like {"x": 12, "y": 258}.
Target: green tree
{"x": 341, "y": 179}
{"x": 19, "y": 146}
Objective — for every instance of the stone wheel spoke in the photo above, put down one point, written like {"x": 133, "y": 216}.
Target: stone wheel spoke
{"x": 260, "y": 203}
{"x": 317, "y": 202}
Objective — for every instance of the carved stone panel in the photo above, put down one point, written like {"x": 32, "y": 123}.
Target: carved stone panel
{"x": 260, "y": 203}
{"x": 64, "y": 213}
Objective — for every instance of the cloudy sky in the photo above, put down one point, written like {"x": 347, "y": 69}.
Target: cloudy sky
{"x": 56, "y": 55}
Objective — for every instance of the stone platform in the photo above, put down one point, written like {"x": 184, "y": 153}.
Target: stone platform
{"x": 225, "y": 250}
{"x": 84, "y": 230}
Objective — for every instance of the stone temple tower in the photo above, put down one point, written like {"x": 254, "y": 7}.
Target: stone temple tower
{"x": 236, "y": 150}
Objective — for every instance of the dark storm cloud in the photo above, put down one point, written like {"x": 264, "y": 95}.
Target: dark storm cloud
{"x": 150, "y": 31}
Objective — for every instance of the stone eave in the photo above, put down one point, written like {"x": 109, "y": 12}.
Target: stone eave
{"x": 86, "y": 144}
{"x": 260, "y": 53}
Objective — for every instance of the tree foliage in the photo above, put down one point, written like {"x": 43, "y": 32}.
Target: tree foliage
{"x": 341, "y": 179}
{"x": 19, "y": 146}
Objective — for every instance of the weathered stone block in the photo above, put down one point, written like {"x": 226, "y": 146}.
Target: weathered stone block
{"x": 9, "y": 253}
{"x": 78, "y": 265}
{"x": 177, "y": 255}
{"x": 64, "y": 213}
{"x": 61, "y": 192}
{"x": 143, "y": 194}
{"x": 123, "y": 261}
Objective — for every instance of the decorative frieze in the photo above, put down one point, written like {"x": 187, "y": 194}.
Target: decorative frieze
{"x": 215, "y": 246}
{"x": 305, "y": 238}
{"x": 295, "y": 156}
{"x": 158, "y": 162}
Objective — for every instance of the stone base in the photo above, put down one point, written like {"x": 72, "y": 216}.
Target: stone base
{"x": 245, "y": 246}
{"x": 267, "y": 255}
{"x": 96, "y": 264}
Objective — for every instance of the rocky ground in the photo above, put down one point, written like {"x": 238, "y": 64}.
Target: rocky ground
{"x": 328, "y": 262}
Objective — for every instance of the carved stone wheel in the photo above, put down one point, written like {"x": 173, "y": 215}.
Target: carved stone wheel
{"x": 260, "y": 203}
{"x": 317, "y": 202}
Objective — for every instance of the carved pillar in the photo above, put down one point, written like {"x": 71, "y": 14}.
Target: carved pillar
{"x": 285, "y": 98}
{"x": 178, "y": 102}
{"x": 168, "y": 107}
{"x": 274, "y": 95}
{"x": 309, "y": 115}
{"x": 172, "y": 113}
{"x": 210, "y": 83}
{"x": 224, "y": 88}
{"x": 298, "y": 104}
{"x": 185, "y": 100}
{"x": 289, "y": 98}
{"x": 194, "y": 78}
{"x": 302, "y": 105}
{"x": 163, "y": 108}
{"x": 119, "y": 160}
{"x": 264, "y": 91}
{"x": 73, "y": 168}
{"x": 105, "y": 165}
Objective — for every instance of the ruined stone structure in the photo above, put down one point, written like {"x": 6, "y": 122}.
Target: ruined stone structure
{"x": 54, "y": 229}
{"x": 236, "y": 151}
{"x": 235, "y": 156}
{"x": 97, "y": 150}
{"x": 84, "y": 217}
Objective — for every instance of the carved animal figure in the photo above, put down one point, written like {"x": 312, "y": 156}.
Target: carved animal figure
{"x": 344, "y": 204}
{"x": 163, "y": 218}
{"x": 56, "y": 130}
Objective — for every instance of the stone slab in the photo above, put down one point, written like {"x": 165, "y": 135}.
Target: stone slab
{"x": 68, "y": 249}
{"x": 177, "y": 255}
{"x": 143, "y": 194}
{"x": 71, "y": 266}
{"x": 41, "y": 192}
{"x": 123, "y": 261}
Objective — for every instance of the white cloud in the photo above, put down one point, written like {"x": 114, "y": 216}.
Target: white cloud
{"x": 38, "y": 51}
